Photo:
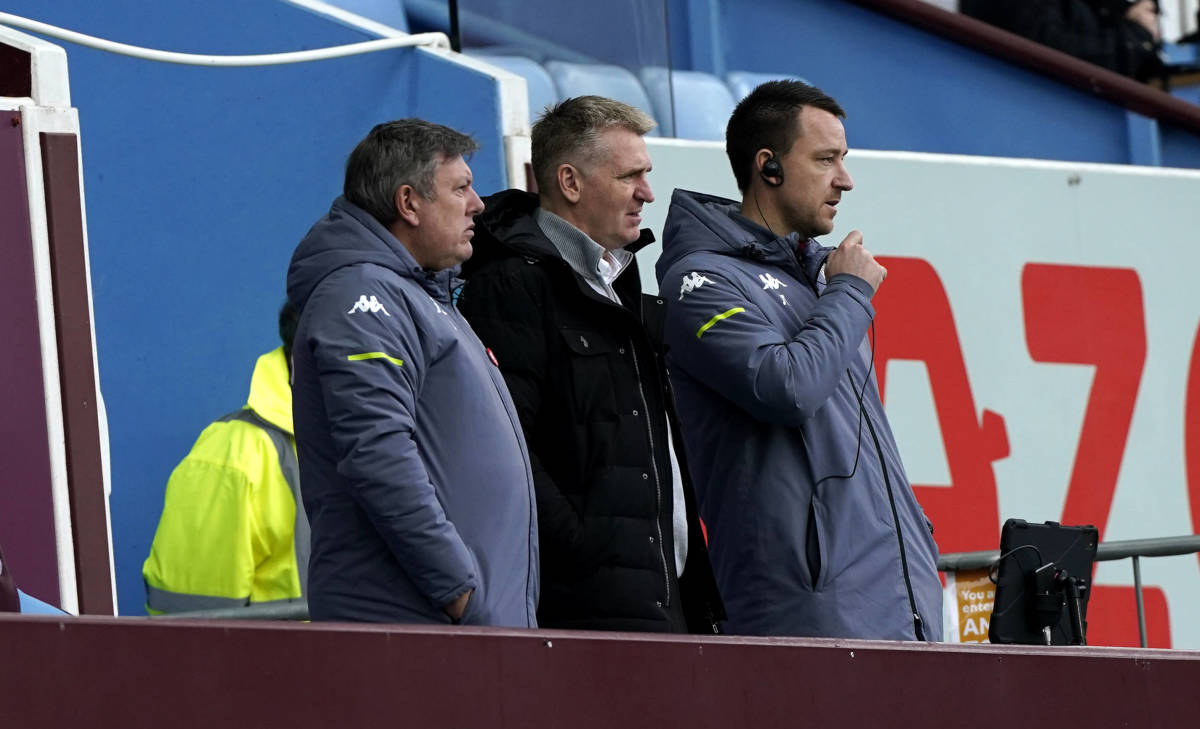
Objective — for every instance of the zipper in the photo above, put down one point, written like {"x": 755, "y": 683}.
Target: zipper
{"x": 654, "y": 468}
{"x": 912, "y": 601}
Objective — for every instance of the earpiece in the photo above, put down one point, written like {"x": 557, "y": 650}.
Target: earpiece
{"x": 772, "y": 171}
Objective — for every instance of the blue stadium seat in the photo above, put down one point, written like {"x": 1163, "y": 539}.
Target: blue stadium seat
{"x": 702, "y": 103}
{"x": 542, "y": 92}
{"x": 741, "y": 83}
{"x": 508, "y": 49}
{"x": 582, "y": 79}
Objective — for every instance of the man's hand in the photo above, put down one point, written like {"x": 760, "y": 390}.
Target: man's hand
{"x": 1145, "y": 14}
{"x": 456, "y": 609}
{"x": 850, "y": 257}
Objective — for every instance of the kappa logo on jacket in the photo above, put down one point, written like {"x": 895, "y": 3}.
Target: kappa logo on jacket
{"x": 691, "y": 282}
{"x": 368, "y": 306}
{"x": 769, "y": 282}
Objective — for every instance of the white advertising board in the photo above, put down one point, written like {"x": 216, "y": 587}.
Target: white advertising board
{"x": 1035, "y": 343}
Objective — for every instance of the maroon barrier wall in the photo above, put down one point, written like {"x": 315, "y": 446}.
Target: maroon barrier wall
{"x": 26, "y": 506}
{"x": 77, "y": 368}
{"x": 136, "y": 672}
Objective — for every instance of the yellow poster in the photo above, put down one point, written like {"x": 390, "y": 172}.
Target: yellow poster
{"x": 969, "y": 598}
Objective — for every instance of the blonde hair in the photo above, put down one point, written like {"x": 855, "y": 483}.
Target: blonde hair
{"x": 570, "y": 132}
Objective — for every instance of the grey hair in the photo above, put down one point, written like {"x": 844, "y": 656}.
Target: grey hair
{"x": 396, "y": 153}
{"x": 570, "y": 132}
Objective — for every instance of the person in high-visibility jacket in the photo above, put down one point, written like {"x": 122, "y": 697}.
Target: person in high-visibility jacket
{"x": 233, "y": 530}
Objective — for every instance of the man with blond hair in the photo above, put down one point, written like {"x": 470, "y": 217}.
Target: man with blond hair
{"x": 553, "y": 290}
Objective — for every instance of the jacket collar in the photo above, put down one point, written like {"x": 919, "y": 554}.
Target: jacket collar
{"x": 700, "y": 222}
{"x": 349, "y": 235}
{"x": 511, "y": 229}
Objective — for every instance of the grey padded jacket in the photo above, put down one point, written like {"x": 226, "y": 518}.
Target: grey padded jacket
{"x": 413, "y": 465}
{"x": 813, "y": 527}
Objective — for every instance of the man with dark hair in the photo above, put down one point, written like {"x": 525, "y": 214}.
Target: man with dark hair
{"x": 1120, "y": 35}
{"x": 554, "y": 291}
{"x": 812, "y": 523}
{"x": 416, "y": 478}
{"x": 232, "y": 531}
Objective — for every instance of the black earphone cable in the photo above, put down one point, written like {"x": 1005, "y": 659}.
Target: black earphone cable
{"x": 861, "y": 392}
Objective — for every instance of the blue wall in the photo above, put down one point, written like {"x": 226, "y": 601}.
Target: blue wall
{"x": 199, "y": 182}
{"x": 906, "y": 89}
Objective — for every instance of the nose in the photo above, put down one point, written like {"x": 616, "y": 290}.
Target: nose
{"x": 643, "y": 191}
{"x": 474, "y": 204}
{"x": 843, "y": 180}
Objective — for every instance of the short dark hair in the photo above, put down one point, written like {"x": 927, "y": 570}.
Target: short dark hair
{"x": 289, "y": 319}
{"x": 570, "y": 131}
{"x": 766, "y": 118}
{"x": 402, "y": 152}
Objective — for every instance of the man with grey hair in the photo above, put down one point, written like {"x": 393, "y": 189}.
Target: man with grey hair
{"x": 413, "y": 467}
{"x": 554, "y": 291}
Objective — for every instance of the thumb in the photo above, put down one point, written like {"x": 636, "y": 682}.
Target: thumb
{"x": 855, "y": 238}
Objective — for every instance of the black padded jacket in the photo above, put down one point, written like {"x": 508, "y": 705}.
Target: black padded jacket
{"x": 588, "y": 380}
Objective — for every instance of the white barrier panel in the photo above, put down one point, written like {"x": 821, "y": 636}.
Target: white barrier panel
{"x": 1035, "y": 345}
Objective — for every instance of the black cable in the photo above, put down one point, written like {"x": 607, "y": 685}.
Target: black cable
{"x": 760, "y": 214}
{"x": 861, "y": 412}
{"x": 994, "y": 576}
{"x": 861, "y": 392}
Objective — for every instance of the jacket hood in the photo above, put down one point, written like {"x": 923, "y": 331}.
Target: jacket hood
{"x": 507, "y": 227}
{"x": 271, "y": 390}
{"x": 349, "y": 235}
{"x": 700, "y": 222}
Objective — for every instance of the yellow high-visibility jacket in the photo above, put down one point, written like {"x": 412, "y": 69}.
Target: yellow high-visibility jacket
{"x": 232, "y": 530}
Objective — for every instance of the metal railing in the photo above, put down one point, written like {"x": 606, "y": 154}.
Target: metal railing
{"x": 435, "y": 40}
{"x": 1133, "y": 549}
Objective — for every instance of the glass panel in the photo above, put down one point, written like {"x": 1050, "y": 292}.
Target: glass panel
{"x": 617, "y": 49}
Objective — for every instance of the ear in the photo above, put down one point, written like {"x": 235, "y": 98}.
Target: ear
{"x": 408, "y": 205}
{"x": 760, "y": 159}
{"x": 570, "y": 182}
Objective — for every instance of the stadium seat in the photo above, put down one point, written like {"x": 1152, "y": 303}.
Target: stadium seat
{"x": 742, "y": 83}
{"x": 542, "y": 92}
{"x": 702, "y": 103}
{"x": 582, "y": 79}
{"x": 507, "y": 49}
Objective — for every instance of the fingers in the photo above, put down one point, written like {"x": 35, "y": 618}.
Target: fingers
{"x": 855, "y": 238}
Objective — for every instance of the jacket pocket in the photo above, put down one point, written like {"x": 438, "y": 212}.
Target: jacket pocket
{"x": 589, "y": 377}
{"x": 475, "y": 612}
{"x": 812, "y": 546}
{"x": 585, "y": 343}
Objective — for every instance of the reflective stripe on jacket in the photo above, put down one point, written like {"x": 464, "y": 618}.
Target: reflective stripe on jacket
{"x": 230, "y": 533}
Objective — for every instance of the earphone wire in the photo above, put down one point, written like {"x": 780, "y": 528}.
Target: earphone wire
{"x": 760, "y": 214}
{"x": 861, "y": 391}
{"x": 861, "y": 412}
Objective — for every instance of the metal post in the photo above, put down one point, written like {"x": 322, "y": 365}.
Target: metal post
{"x": 455, "y": 35}
{"x": 1141, "y": 606}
